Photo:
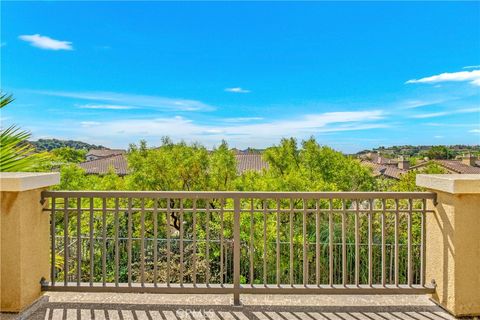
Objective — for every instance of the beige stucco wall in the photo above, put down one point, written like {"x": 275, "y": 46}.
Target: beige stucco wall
{"x": 453, "y": 249}
{"x": 24, "y": 248}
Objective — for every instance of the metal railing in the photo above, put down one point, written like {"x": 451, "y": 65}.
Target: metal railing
{"x": 238, "y": 242}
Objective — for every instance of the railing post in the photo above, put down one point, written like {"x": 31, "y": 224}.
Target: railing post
{"x": 236, "y": 251}
{"x": 25, "y": 238}
{"x": 453, "y": 241}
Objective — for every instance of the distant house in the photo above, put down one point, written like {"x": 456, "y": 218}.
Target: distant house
{"x": 95, "y": 154}
{"x": 101, "y": 165}
{"x": 466, "y": 165}
{"x": 394, "y": 168}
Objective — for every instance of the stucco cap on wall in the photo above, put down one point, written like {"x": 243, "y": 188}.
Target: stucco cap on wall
{"x": 22, "y": 181}
{"x": 451, "y": 183}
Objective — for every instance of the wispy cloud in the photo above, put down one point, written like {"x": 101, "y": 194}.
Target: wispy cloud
{"x": 241, "y": 119}
{"x": 445, "y": 113}
{"x": 462, "y": 76}
{"x": 245, "y": 134}
{"x": 412, "y": 104}
{"x": 126, "y": 99}
{"x": 472, "y": 67}
{"x": 46, "y": 43}
{"x": 237, "y": 90}
{"x": 87, "y": 124}
{"x": 475, "y": 131}
{"x": 3, "y": 44}
{"x": 106, "y": 107}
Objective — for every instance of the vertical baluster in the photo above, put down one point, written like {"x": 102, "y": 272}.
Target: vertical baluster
{"x": 409, "y": 243}
{"x": 384, "y": 257}
{"x": 251, "y": 241}
{"x": 142, "y": 242}
{"x": 330, "y": 243}
{"x": 168, "y": 213}
{"x": 422, "y": 245}
{"x": 65, "y": 241}
{"x": 291, "y": 241}
{"x": 236, "y": 251}
{"x": 265, "y": 242}
{"x": 344, "y": 244}
{"x": 79, "y": 241}
{"x": 117, "y": 251}
{"x": 207, "y": 243}
{"x": 129, "y": 242}
{"x": 53, "y": 232}
{"x": 155, "y": 241}
{"x": 370, "y": 242}
{"x": 305, "y": 243}
{"x": 396, "y": 263}
{"x": 357, "y": 242}
{"x": 92, "y": 257}
{"x": 194, "y": 230}
{"x": 278, "y": 242}
{"x": 181, "y": 243}
{"x": 317, "y": 242}
{"x": 222, "y": 275}
{"x": 104, "y": 238}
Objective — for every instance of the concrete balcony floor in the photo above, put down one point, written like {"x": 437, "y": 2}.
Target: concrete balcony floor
{"x": 113, "y": 306}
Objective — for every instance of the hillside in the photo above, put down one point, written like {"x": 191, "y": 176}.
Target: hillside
{"x": 49, "y": 144}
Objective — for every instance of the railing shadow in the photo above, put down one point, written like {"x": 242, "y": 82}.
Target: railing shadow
{"x": 116, "y": 311}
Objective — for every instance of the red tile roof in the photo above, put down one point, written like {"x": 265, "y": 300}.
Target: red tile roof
{"x": 458, "y": 167}
{"x": 101, "y": 166}
{"x": 389, "y": 171}
{"x": 245, "y": 162}
{"x": 250, "y": 161}
{"x": 105, "y": 152}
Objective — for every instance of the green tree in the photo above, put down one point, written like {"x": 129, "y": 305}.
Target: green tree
{"x": 439, "y": 152}
{"x": 68, "y": 154}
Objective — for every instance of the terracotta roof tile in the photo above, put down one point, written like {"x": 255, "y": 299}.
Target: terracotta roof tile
{"x": 384, "y": 170}
{"x": 101, "y": 166}
{"x": 251, "y": 161}
{"x": 245, "y": 162}
{"x": 105, "y": 152}
{"x": 458, "y": 166}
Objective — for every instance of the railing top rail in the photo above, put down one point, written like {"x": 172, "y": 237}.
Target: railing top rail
{"x": 240, "y": 194}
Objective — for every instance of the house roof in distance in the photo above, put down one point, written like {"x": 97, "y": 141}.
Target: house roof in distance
{"x": 245, "y": 162}
{"x": 101, "y": 166}
{"x": 105, "y": 152}
{"x": 384, "y": 170}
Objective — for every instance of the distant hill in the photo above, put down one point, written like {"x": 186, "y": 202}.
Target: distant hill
{"x": 49, "y": 144}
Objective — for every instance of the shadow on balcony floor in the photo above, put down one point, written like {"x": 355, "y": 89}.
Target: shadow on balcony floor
{"x": 69, "y": 306}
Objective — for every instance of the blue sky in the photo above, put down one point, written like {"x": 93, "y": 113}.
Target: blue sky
{"x": 354, "y": 75}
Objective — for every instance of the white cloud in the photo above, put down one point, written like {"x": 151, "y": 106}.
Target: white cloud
{"x": 237, "y": 90}
{"x": 438, "y": 137}
{"x": 471, "y": 76}
{"x": 412, "y": 104}
{"x": 146, "y": 101}
{"x": 87, "y": 124}
{"x": 475, "y": 131}
{"x": 248, "y": 134}
{"x": 472, "y": 67}
{"x": 241, "y": 119}
{"x": 47, "y": 43}
{"x": 445, "y": 113}
{"x": 106, "y": 107}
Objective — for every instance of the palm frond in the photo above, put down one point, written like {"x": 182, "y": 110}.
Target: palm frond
{"x": 15, "y": 152}
{"x": 5, "y": 99}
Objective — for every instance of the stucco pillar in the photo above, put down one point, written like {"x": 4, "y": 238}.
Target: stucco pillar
{"x": 453, "y": 241}
{"x": 24, "y": 236}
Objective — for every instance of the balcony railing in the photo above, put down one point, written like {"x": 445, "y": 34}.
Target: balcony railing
{"x": 238, "y": 242}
